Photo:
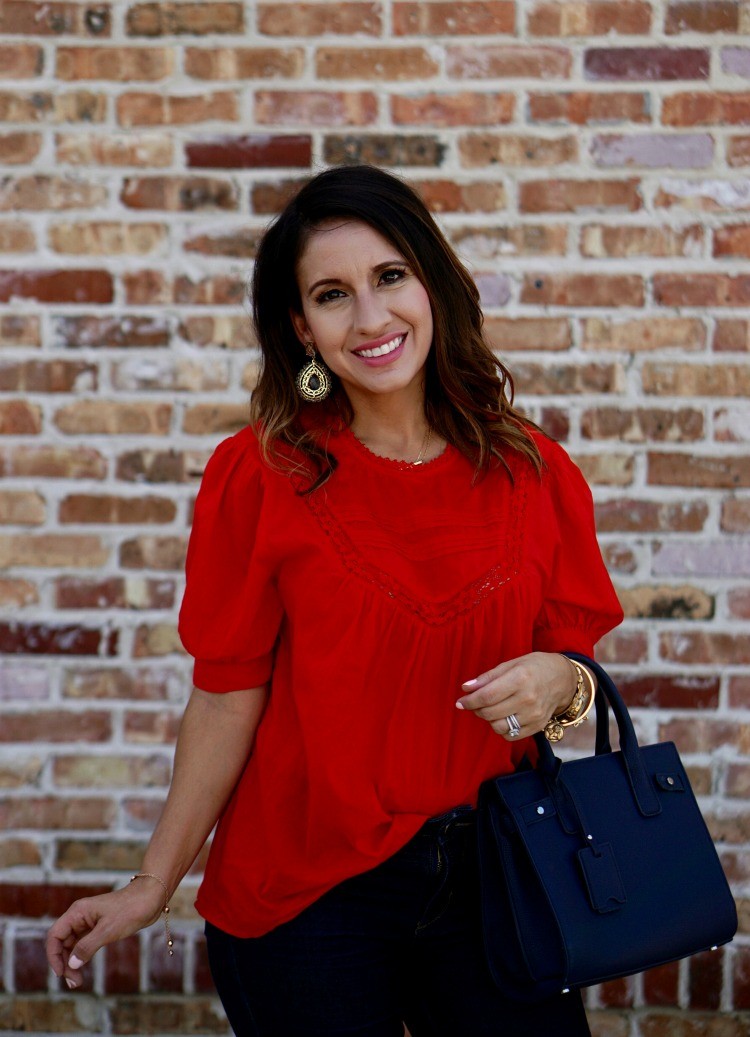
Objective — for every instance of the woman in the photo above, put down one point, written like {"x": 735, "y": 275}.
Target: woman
{"x": 382, "y": 570}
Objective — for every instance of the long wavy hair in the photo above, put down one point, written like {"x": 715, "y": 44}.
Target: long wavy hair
{"x": 468, "y": 391}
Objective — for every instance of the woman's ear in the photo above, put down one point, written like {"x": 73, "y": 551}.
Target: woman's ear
{"x": 299, "y": 324}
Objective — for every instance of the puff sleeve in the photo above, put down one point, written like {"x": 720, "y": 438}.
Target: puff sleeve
{"x": 580, "y": 604}
{"x": 230, "y": 614}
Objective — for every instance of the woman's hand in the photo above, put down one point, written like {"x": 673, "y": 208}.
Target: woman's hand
{"x": 532, "y": 688}
{"x": 90, "y": 923}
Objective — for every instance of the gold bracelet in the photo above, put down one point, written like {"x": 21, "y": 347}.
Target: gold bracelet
{"x": 165, "y": 909}
{"x": 575, "y": 712}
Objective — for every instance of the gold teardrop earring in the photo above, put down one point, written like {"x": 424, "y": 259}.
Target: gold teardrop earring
{"x": 313, "y": 382}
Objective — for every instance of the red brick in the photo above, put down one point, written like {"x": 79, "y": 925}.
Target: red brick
{"x": 706, "y": 109}
{"x": 154, "y": 640}
{"x": 731, "y": 424}
{"x": 30, "y": 964}
{"x": 741, "y": 977}
{"x": 698, "y": 648}
{"x": 589, "y": 18}
{"x": 732, "y": 241}
{"x": 643, "y": 424}
{"x": 466, "y": 108}
{"x": 115, "y": 64}
{"x": 619, "y": 558}
{"x": 739, "y": 692}
{"x": 579, "y": 195}
{"x": 52, "y": 550}
{"x": 448, "y": 196}
{"x": 705, "y": 980}
{"x": 53, "y": 462}
{"x": 109, "y": 238}
{"x": 738, "y": 603}
{"x": 582, "y": 108}
{"x": 559, "y": 378}
{"x": 639, "y": 334}
{"x": 165, "y": 973}
{"x": 17, "y": 237}
{"x": 603, "y": 240}
{"x": 389, "y": 64}
{"x": 105, "y": 332}
{"x": 700, "y": 733}
{"x": 211, "y": 418}
{"x": 19, "y": 148}
{"x": 179, "y": 19}
{"x": 478, "y": 150}
{"x": 239, "y": 243}
{"x": 250, "y": 152}
{"x": 496, "y": 61}
{"x": 114, "y": 418}
{"x": 42, "y": 812}
{"x": 83, "y": 508}
{"x": 98, "y": 855}
{"x": 713, "y": 195}
{"x": 524, "y": 333}
{"x": 18, "y": 593}
{"x": 180, "y": 374}
{"x": 661, "y": 985}
{"x": 244, "y": 62}
{"x": 147, "y": 684}
{"x": 732, "y": 336}
{"x": 47, "y": 900}
{"x": 646, "y": 63}
{"x": 646, "y": 516}
{"x": 656, "y": 691}
{"x": 617, "y": 993}
{"x": 607, "y": 469}
{"x": 40, "y": 106}
{"x": 384, "y": 149}
{"x": 43, "y": 639}
{"x": 40, "y": 193}
{"x": 738, "y": 151}
{"x": 440, "y": 18}
{"x": 161, "y": 466}
{"x": 696, "y": 379}
{"x": 701, "y": 289}
{"x": 22, "y": 507}
{"x": 151, "y": 728}
{"x": 82, "y": 286}
{"x": 53, "y": 376}
{"x": 666, "y": 602}
{"x": 114, "y": 149}
{"x": 114, "y": 592}
{"x": 122, "y": 966}
{"x": 40, "y": 18}
{"x": 179, "y": 194}
{"x": 19, "y": 853}
{"x": 704, "y": 16}
{"x": 154, "y": 552}
{"x": 20, "y": 330}
{"x": 320, "y": 19}
{"x": 17, "y": 417}
{"x": 623, "y": 647}
{"x": 738, "y": 780}
{"x": 583, "y": 289}
{"x": 159, "y": 109}
{"x": 314, "y": 108}
{"x": 735, "y": 515}
{"x": 20, "y": 60}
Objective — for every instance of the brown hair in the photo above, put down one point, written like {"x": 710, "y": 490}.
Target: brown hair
{"x": 468, "y": 391}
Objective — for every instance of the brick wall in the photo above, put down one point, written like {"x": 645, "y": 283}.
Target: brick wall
{"x": 590, "y": 161}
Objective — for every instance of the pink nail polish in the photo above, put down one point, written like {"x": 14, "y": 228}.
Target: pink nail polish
{"x": 71, "y": 984}
{"x": 460, "y": 705}
{"x": 470, "y": 684}
{"x": 74, "y": 962}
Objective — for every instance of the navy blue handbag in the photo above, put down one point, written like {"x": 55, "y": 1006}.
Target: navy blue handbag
{"x": 598, "y": 867}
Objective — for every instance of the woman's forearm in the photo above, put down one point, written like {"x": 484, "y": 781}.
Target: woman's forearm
{"x": 214, "y": 742}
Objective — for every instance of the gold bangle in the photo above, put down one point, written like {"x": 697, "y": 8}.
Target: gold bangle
{"x": 165, "y": 909}
{"x": 575, "y": 712}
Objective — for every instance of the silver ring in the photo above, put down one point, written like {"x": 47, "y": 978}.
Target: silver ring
{"x": 514, "y": 728}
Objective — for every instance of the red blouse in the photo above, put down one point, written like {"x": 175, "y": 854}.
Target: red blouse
{"x": 367, "y": 604}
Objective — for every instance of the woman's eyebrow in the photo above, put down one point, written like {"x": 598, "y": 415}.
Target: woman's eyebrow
{"x": 337, "y": 280}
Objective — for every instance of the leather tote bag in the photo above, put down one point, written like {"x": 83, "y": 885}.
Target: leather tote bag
{"x": 599, "y": 867}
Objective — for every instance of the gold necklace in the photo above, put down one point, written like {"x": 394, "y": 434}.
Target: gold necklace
{"x": 423, "y": 451}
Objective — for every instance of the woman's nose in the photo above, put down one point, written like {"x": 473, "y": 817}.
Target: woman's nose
{"x": 371, "y": 313}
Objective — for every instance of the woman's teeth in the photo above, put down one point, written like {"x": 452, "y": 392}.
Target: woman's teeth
{"x": 387, "y": 347}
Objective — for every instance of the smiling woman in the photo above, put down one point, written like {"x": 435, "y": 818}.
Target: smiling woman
{"x": 387, "y": 540}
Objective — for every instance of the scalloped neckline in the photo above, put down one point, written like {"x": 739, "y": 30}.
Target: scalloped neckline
{"x": 393, "y": 463}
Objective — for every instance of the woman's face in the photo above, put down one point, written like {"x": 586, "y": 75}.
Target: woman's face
{"x": 364, "y": 308}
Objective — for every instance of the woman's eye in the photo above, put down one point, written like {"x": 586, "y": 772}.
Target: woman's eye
{"x": 332, "y": 293}
{"x": 393, "y": 275}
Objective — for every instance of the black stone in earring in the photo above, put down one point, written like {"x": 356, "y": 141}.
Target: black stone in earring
{"x": 313, "y": 382}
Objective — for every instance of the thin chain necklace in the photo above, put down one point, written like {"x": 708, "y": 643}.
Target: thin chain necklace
{"x": 423, "y": 450}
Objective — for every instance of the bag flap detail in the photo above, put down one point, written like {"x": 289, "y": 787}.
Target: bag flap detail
{"x": 543, "y": 809}
{"x": 602, "y": 877}
{"x": 670, "y": 782}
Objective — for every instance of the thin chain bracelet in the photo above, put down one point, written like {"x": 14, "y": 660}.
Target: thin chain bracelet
{"x": 150, "y": 875}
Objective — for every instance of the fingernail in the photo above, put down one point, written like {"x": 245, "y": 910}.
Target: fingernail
{"x": 460, "y": 705}
{"x": 470, "y": 684}
{"x": 71, "y": 983}
{"x": 74, "y": 962}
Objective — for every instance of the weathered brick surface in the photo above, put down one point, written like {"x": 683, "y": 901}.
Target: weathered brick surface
{"x": 589, "y": 160}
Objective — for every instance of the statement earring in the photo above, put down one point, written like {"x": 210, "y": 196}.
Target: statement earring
{"x": 313, "y": 382}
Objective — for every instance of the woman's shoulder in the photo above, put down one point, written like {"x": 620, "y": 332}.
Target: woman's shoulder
{"x": 236, "y": 460}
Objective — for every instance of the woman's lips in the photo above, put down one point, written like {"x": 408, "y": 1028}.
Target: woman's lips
{"x": 391, "y": 350}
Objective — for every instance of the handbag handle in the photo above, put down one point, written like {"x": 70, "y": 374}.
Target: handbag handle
{"x": 607, "y": 695}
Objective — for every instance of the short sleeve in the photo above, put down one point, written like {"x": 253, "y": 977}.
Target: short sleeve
{"x": 230, "y": 614}
{"x": 580, "y": 604}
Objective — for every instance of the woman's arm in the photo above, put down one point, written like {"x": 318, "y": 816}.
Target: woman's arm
{"x": 215, "y": 740}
